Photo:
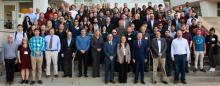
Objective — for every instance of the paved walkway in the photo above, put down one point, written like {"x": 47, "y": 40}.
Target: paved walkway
{"x": 192, "y": 79}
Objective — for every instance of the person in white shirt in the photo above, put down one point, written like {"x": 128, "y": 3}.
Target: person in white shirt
{"x": 180, "y": 54}
{"x": 73, "y": 11}
{"x": 19, "y": 34}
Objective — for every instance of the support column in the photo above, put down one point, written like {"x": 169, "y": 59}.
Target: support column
{"x": 41, "y": 4}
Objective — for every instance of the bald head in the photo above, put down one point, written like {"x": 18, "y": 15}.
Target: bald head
{"x": 10, "y": 38}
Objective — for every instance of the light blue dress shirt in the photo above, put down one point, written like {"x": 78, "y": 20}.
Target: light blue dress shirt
{"x": 56, "y": 45}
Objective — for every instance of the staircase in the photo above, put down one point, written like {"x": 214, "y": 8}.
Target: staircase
{"x": 209, "y": 22}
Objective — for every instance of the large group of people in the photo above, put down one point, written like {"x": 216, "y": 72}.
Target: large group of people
{"x": 122, "y": 39}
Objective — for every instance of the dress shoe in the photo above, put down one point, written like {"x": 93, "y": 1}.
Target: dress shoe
{"x": 32, "y": 83}
{"x": 39, "y": 82}
{"x": 80, "y": 75}
{"x": 184, "y": 82}
{"x": 154, "y": 82}
{"x": 175, "y": 81}
{"x": 203, "y": 70}
{"x": 142, "y": 82}
{"x": 106, "y": 82}
{"x": 56, "y": 76}
{"x": 165, "y": 82}
{"x": 86, "y": 76}
{"x": 22, "y": 81}
{"x": 135, "y": 81}
{"x": 47, "y": 76}
{"x": 112, "y": 81}
{"x": 26, "y": 81}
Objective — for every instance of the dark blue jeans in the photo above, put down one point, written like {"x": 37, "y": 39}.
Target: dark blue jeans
{"x": 109, "y": 69}
{"x": 180, "y": 63}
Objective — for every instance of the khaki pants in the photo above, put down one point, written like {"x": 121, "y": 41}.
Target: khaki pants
{"x": 51, "y": 55}
{"x": 36, "y": 63}
{"x": 199, "y": 55}
{"x": 161, "y": 63}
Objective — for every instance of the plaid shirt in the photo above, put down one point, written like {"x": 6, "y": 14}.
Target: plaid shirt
{"x": 37, "y": 43}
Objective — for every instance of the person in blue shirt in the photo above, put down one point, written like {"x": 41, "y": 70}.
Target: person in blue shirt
{"x": 53, "y": 47}
{"x": 199, "y": 48}
{"x": 82, "y": 45}
{"x": 37, "y": 47}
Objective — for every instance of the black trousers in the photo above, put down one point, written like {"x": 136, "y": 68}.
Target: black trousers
{"x": 67, "y": 63}
{"x": 123, "y": 72}
{"x": 212, "y": 58}
{"x": 10, "y": 68}
{"x": 95, "y": 64}
{"x": 60, "y": 62}
{"x": 169, "y": 65}
{"x": 82, "y": 60}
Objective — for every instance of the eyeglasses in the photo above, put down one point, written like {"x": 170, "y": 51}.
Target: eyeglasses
{"x": 114, "y": 32}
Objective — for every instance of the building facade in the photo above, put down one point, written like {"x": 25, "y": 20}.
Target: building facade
{"x": 208, "y": 8}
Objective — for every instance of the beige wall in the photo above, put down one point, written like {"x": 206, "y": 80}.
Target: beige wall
{"x": 208, "y": 8}
{"x": 41, "y": 4}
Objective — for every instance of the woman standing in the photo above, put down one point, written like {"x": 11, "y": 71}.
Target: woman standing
{"x": 212, "y": 41}
{"x": 124, "y": 57}
{"x": 24, "y": 60}
{"x": 26, "y": 23}
{"x": 96, "y": 45}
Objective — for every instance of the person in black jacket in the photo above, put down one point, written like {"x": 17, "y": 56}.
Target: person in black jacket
{"x": 212, "y": 43}
{"x": 67, "y": 52}
{"x": 169, "y": 62}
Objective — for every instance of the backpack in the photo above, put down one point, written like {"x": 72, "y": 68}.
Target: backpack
{"x": 17, "y": 33}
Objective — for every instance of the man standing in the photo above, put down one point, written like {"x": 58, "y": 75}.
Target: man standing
{"x": 159, "y": 47}
{"x": 180, "y": 54}
{"x": 37, "y": 46}
{"x": 139, "y": 57}
{"x": 199, "y": 48}
{"x": 33, "y": 16}
{"x": 82, "y": 45}
{"x": 9, "y": 53}
{"x": 67, "y": 52}
{"x": 19, "y": 34}
{"x": 169, "y": 62}
{"x": 110, "y": 53}
{"x": 53, "y": 47}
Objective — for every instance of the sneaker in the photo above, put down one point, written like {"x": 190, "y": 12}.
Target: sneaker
{"x": 203, "y": 70}
{"x": 211, "y": 69}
